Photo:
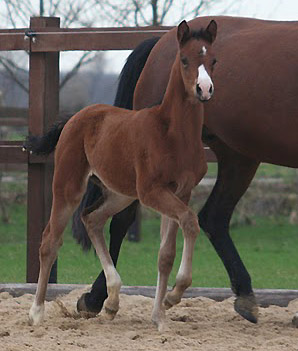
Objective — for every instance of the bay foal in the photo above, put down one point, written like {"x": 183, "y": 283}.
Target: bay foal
{"x": 159, "y": 158}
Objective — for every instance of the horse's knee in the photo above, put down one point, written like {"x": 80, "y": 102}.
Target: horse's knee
{"x": 189, "y": 223}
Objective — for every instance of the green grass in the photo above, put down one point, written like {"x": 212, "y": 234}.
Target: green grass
{"x": 268, "y": 249}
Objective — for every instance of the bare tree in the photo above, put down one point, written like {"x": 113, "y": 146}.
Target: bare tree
{"x": 156, "y": 12}
{"x": 16, "y": 14}
{"x": 97, "y": 12}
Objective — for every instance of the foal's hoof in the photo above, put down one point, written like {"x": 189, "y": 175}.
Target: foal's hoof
{"x": 247, "y": 307}
{"x": 171, "y": 300}
{"x": 295, "y": 320}
{"x": 160, "y": 325}
{"x": 83, "y": 305}
{"x": 167, "y": 304}
{"x": 110, "y": 314}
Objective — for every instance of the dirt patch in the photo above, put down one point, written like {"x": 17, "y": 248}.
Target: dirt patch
{"x": 195, "y": 324}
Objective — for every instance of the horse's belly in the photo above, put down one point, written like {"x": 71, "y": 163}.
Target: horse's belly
{"x": 118, "y": 178}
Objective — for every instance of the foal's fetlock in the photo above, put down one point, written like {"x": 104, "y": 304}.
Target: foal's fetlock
{"x": 36, "y": 314}
{"x": 158, "y": 318}
{"x": 110, "y": 314}
{"x": 111, "y": 309}
{"x": 246, "y": 306}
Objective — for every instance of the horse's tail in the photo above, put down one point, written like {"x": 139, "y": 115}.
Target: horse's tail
{"x": 45, "y": 144}
{"x": 124, "y": 98}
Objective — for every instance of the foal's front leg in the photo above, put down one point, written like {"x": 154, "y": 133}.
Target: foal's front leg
{"x": 167, "y": 203}
{"x": 166, "y": 257}
{"x": 184, "y": 275}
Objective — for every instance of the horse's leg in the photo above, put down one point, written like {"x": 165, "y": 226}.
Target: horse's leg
{"x": 235, "y": 173}
{"x": 64, "y": 203}
{"x": 94, "y": 219}
{"x": 168, "y": 204}
{"x": 184, "y": 275}
{"x": 93, "y": 300}
{"x": 168, "y": 233}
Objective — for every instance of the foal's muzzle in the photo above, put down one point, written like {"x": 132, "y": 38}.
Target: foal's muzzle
{"x": 204, "y": 94}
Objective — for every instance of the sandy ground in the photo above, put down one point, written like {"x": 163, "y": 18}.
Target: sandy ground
{"x": 195, "y": 324}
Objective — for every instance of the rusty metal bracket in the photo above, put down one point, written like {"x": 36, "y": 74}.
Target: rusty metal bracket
{"x": 30, "y": 34}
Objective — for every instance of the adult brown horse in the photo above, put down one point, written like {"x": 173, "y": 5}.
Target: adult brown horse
{"x": 163, "y": 159}
{"x": 252, "y": 118}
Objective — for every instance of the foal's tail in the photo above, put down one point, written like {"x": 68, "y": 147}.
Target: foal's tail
{"x": 45, "y": 144}
{"x": 124, "y": 98}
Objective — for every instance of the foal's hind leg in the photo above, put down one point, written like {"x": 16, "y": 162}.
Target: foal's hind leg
{"x": 93, "y": 301}
{"x": 62, "y": 210}
{"x": 68, "y": 188}
{"x": 94, "y": 220}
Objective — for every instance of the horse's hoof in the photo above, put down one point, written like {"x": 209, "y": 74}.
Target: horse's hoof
{"x": 295, "y": 320}
{"x": 159, "y": 321}
{"x": 167, "y": 304}
{"x": 171, "y": 300}
{"x": 84, "y": 306}
{"x": 110, "y": 314}
{"x": 247, "y": 307}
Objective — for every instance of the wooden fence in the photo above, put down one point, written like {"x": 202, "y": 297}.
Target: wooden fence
{"x": 44, "y": 40}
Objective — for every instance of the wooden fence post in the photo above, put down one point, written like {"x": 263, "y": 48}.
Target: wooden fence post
{"x": 43, "y": 110}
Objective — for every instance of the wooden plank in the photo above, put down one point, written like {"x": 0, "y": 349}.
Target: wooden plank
{"x": 13, "y": 167}
{"x": 47, "y": 28}
{"x": 13, "y": 122}
{"x": 54, "y": 39}
{"x": 12, "y": 154}
{"x": 16, "y": 112}
{"x": 92, "y": 40}
{"x": 13, "y": 40}
{"x": 43, "y": 110}
{"x": 265, "y": 297}
{"x": 96, "y": 29}
{"x": 11, "y": 143}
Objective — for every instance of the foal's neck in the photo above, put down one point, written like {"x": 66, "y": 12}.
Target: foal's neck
{"x": 178, "y": 110}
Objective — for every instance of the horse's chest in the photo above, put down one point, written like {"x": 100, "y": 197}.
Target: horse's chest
{"x": 183, "y": 168}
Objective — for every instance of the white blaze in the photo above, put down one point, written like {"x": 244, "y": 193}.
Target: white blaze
{"x": 204, "y": 82}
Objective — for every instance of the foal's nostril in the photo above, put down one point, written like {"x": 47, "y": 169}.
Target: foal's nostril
{"x": 199, "y": 90}
{"x": 211, "y": 89}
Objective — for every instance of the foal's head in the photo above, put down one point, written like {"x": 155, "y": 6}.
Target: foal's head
{"x": 197, "y": 59}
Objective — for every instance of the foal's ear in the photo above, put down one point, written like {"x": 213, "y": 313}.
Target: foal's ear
{"x": 212, "y": 30}
{"x": 183, "y": 32}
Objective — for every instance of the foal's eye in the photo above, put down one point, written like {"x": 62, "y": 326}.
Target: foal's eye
{"x": 184, "y": 62}
{"x": 214, "y": 62}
